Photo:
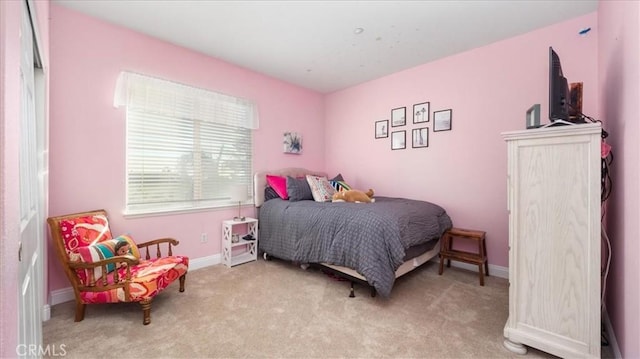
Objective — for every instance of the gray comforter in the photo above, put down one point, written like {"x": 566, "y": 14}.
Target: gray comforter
{"x": 369, "y": 238}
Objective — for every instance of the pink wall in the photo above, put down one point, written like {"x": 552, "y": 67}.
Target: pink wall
{"x": 10, "y": 14}
{"x": 619, "y": 74}
{"x": 87, "y": 168}
{"x": 489, "y": 90}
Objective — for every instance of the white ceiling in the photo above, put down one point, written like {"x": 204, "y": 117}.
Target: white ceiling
{"x": 313, "y": 43}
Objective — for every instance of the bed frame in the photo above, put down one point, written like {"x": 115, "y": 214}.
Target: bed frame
{"x": 260, "y": 183}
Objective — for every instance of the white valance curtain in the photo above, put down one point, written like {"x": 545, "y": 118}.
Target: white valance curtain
{"x": 153, "y": 95}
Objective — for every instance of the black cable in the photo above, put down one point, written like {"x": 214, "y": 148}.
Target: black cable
{"x": 607, "y": 183}
{"x": 605, "y": 178}
{"x": 605, "y": 341}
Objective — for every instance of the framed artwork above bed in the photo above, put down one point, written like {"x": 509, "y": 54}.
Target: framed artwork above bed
{"x": 292, "y": 143}
{"x": 421, "y": 112}
{"x": 420, "y": 137}
{"x": 442, "y": 120}
{"x": 398, "y": 116}
{"x": 398, "y": 140}
{"x": 382, "y": 129}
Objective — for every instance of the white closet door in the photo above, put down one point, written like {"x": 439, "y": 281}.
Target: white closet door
{"x": 30, "y": 272}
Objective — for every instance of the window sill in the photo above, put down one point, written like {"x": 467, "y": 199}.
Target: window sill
{"x": 176, "y": 211}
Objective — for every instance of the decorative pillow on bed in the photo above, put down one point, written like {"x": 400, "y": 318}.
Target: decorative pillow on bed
{"x": 320, "y": 188}
{"x": 298, "y": 189}
{"x": 339, "y": 186}
{"x": 270, "y": 193}
{"x": 279, "y": 184}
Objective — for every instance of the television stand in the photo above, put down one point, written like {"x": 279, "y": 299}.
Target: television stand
{"x": 557, "y": 123}
{"x": 554, "y": 240}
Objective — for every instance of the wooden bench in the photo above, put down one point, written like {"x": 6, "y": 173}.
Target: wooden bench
{"x": 478, "y": 258}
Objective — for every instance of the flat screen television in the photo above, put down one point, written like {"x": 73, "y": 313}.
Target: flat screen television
{"x": 559, "y": 92}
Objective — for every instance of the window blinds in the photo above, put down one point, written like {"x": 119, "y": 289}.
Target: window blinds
{"x": 186, "y": 147}
{"x": 153, "y": 95}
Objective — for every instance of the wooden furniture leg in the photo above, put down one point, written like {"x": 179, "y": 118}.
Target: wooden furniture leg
{"x": 80, "y": 309}
{"x": 146, "y": 311}
{"x": 479, "y": 258}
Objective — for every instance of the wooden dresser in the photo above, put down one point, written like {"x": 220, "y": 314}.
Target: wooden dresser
{"x": 554, "y": 240}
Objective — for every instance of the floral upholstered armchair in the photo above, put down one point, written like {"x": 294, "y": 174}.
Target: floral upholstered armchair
{"x": 107, "y": 269}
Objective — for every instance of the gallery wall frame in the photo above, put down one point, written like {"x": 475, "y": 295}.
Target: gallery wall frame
{"x": 442, "y": 120}
{"x": 382, "y": 129}
{"x": 421, "y": 112}
{"x": 398, "y": 116}
{"x": 398, "y": 140}
{"x": 420, "y": 137}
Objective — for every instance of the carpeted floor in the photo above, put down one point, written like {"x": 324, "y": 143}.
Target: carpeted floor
{"x": 273, "y": 309}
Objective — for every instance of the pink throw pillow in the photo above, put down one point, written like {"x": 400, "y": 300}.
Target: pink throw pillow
{"x": 279, "y": 184}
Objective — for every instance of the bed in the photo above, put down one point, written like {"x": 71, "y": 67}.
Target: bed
{"x": 369, "y": 243}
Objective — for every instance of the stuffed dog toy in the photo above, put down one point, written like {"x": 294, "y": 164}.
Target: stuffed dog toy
{"x": 353, "y": 195}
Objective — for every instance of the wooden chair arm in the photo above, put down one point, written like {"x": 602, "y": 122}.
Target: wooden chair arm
{"x": 173, "y": 241}
{"x": 103, "y": 282}
{"x": 128, "y": 259}
{"x": 157, "y": 242}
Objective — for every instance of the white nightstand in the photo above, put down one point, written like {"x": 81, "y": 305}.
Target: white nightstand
{"x": 242, "y": 251}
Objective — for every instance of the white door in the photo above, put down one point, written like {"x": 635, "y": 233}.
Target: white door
{"x": 30, "y": 271}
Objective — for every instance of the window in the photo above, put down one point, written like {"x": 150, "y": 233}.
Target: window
{"x": 186, "y": 147}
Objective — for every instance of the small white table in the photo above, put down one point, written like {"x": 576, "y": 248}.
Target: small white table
{"x": 242, "y": 251}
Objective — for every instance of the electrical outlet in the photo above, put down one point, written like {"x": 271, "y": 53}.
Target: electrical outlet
{"x": 203, "y": 238}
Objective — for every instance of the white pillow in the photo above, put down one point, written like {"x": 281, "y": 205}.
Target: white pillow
{"x": 321, "y": 189}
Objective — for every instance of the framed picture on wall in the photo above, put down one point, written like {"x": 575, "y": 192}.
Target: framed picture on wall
{"x": 382, "y": 129}
{"x": 420, "y": 137}
{"x": 398, "y": 116}
{"x": 442, "y": 120}
{"x": 292, "y": 143}
{"x": 421, "y": 112}
{"x": 398, "y": 140}
{"x": 533, "y": 116}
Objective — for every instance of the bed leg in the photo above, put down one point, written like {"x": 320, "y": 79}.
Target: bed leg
{"x": 352, "y": 293}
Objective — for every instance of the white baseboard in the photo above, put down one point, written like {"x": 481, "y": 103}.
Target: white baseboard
{"x": 66, "y": 294}
{"x": 494, "y": 270}
{"x": 611, "y": 335}
{"x": 204, "y": 262}
{"x": 61, "y": 295}
{"x": 46, "y": 312}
